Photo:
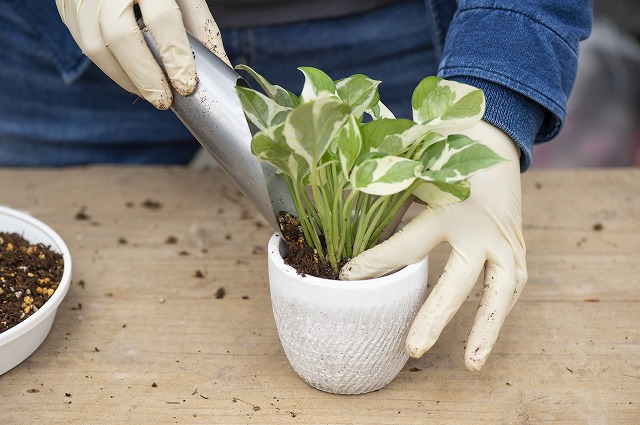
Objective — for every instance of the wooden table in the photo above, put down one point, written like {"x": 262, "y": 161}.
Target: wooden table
{"x": 145, "y": 335}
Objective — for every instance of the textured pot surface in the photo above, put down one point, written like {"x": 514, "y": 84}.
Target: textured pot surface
{"x": 344, "y": 337}
{"x": 19, "y": 342}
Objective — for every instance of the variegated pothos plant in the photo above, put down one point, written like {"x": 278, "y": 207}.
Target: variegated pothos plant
{"x": 350, "y": 164}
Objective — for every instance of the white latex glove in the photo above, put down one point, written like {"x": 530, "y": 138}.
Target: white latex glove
{"x": 485, "y": 230}
{"x": 107, "y": 32}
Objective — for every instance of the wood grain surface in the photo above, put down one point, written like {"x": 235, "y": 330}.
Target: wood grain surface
{"x": 146, "y": 336}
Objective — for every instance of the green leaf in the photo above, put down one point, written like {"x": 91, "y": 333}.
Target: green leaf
{"x": 380, "y": 111}
{"x": 270, "y": 146}
{"x": 456, "y": 158}
{"x": 359, "y": 92}
{"x": 429, "y": 100}
{"x": 310, "y": 128}
{"x": 428, "y": 140}
{"x": 381, "y": 174}
{"x": 260, "y": 110}
{"x": 439, "y": 193}
{"x": 397, "y": 144}
{"x": 432, "y": 153}
{"x": 374, "y": 132}
{"x": 349, "y": 144}
{"x": 392, "y": 136}
{"x": 443, "y": 104}
{"x": 316, "y": 82}
{"x": 469, "y": 105}
{"x": 281, "y": 96}
{"x": 329, "y": 157}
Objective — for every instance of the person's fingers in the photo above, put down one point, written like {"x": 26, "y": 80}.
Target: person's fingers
{"x": 452, "y": 289}
{"x": 163, "y": 19}
{"x": 499, "y": 282}
{"x": 200, "y": 24}
{"x": 125, "y": 40}
{"x": 92, "y": 43}
{"x": 409, "y": 245}
{"x": 520, "y": 255}
{"x": 521, "y": 281}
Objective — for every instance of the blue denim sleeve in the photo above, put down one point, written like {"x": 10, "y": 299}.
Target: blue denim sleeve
{"x": 524, "y": 56}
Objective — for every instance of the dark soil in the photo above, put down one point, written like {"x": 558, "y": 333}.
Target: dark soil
{"x": 301, "y": 256}
{"x": 29, "y": 276}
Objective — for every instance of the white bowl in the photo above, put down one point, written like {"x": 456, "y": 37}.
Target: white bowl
{"x": 19, "y": 342}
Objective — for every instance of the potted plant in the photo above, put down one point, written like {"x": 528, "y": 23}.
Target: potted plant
{"x": 35, "y": 275}
{"x": 350, "y": 165}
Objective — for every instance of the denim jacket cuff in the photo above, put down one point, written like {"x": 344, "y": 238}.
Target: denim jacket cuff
{"x": 513, "y": 113}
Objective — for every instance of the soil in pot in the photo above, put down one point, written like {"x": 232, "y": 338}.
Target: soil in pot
{"x": 29, "y": 276}
{"x": 301, "y": 256}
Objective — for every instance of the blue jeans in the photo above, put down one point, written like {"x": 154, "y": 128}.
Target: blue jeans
{"x": 391, "y": 44}
{"x": 57, "y": 108}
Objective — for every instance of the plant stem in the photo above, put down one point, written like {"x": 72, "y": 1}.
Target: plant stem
{"x": 333, "y": 232}
{"x": 310, "y": 207}
{"x": 310, "y": 234}
{"x": 336, "y": 194}
{"x": 379, "y": 207}
{"x": 325, "y": 215}
{"x": 359, "y": 213}
{"x": 347, "y": 210}
{"x": 394, "y": 207}
{"x": 364, "y": 224}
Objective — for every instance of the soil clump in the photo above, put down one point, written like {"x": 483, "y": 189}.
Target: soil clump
{"x": 302, "y": 257}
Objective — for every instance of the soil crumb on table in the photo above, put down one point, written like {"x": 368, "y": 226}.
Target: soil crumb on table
{"x": 220, "y": 293}
{"x": 82, "y": 214}
{"x": 151, "y": 204}
{"x": 29, "y": 276}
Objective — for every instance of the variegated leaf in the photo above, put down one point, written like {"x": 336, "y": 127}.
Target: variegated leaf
{"x": 380, "y": 174}
{"x": 392, "y": 136}
{"x": 260, "y": 110}
{"x": 438, "y": 193}
{"x": 310, "y": 128}
{"x": 349, "y": 144}
{"x": 380, "y": 111}
{"x": 456, "y": 158}
{"x": 375, "y": 132}
{"x": 395, "y": 144}
{"x": 278, "y": 94}
{"x": 444, "y": 104}
{"x": 359, "y": 92}
{"x": 315, "y": 83}
{"x": 429, "y": 139}
{"x": 270, "y": 146}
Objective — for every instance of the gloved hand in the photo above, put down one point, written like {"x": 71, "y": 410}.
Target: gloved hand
{"x": 107, "y": 32}
{"x": 484, "y": 230}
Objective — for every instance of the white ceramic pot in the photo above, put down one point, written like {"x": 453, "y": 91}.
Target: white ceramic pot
{"x": 20, "y": 341}
{"x": 344, "y": 337}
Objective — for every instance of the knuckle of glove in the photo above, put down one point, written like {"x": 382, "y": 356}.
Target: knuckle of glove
{"x": 167, "y": 16}
{"x": 118, "y": 35}
{"x": 93, "y": 48}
